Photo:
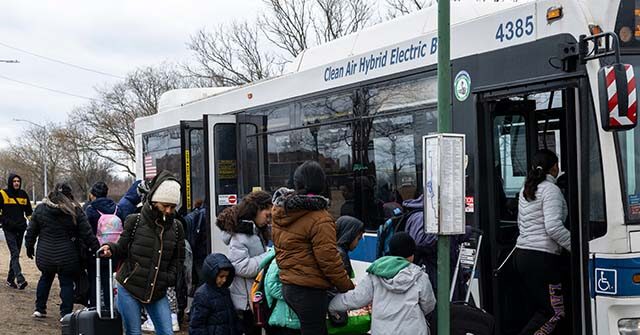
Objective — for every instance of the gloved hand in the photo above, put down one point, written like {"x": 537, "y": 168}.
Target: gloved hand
{"x": 30, "y": 252}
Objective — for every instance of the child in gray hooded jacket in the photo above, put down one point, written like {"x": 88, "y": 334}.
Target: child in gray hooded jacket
{"x": 400, "y": 291}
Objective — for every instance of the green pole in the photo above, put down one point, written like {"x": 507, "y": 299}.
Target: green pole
{"x": 444, "y": 126}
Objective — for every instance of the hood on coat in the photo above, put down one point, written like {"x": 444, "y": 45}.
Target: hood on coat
{"x": 104, "y": 205}
{"x": 10, "y": 184}
{"x": 212, "y": 266}
{"x": 289, "y": 200}
{"x": 347, "y": 229}
{"x": 147, "y": 207}
{"x": 132, "y": 194}
{"x": 412, "y": 204}
{"x": 163, "y": 176}
{"x": 228, "y": 219}
{"x": 396, "y": 274}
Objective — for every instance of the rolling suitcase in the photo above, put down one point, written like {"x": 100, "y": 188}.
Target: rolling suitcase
{"x": 467, "y": 319}
{"x": 94, "y": 321}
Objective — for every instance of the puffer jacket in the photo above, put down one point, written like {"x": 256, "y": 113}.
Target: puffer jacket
{"x": 401, "y": 294}
{"x": 246, "y": 251}
{"x": 212, "y": 311}
{"x": 55, "y": 231}
{"x": 304, "y": 235}
{"x": 281, "y": 315}
{"x": 152, "y": 259}
{"x": 541, "y": 221}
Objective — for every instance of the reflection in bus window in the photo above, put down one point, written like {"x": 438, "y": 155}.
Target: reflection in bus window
{"x": 597, "y": 211}
{"x": 629, "y": 148}
{"x": 397, "y": 96}
{"x": 162, "y": 152}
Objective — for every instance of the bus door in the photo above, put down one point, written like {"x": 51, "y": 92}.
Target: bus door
{"x": 251, "y": 153}
{"x": 192, "y": 156}
{"x": 221, "y": 174}
{"x": 512, "y": 126}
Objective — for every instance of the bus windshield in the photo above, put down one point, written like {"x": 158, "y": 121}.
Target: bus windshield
{"x": 629, "y": 158}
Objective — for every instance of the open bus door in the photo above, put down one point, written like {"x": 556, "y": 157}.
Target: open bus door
{"x": 193, "y": 163}
{"x": 513, "y": 124}
{"x": 221, "y": 175}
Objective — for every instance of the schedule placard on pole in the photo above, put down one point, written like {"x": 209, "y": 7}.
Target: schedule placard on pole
{"x": 444, "y": 183}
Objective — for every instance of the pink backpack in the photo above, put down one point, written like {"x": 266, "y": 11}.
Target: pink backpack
{"x": 109, "y": 227}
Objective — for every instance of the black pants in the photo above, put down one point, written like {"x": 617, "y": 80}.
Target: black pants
{"x": 311, "y": 305}
{"x": 541, "y": 274}
{"x": 66, "y": 291}
{"x": 14, "y": 242}
{"x": 247, "y": 323}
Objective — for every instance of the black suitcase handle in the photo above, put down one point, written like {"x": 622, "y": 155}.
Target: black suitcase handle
{"x": 99, "y": 288}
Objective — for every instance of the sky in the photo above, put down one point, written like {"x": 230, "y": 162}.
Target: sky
{"x": 114, "y": 37}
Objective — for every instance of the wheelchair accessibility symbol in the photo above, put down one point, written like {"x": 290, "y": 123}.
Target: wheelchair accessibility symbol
{"x": 606, "y": 281}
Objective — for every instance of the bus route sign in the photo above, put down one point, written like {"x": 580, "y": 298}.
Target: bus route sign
{"x": 444, "y": 183}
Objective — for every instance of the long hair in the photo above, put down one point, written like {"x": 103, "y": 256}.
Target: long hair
{"x": 62, "y": 195}
{"x": 543, "y": 161}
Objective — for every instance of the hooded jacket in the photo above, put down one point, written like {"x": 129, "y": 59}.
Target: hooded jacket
{"x": 129, "y": 202}
{"x": 212, "y": 312}
{"x": 347, "y": 230}
{"x": 246, "y": 250}
{"x": 304, "y": 235}
{"x": 281, "y": 315}
{"x": 541, "y": 221}
{"x": 55, "y": 231}
{"x": 401, "y": 295}
{"x": 15, "y": 206}
{"x": 152, "y": 258}
{"x": 102, "y": 205}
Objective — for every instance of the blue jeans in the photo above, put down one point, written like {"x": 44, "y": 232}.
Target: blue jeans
{"x": 66, "y": 292}
{"x": 129, "y": 307}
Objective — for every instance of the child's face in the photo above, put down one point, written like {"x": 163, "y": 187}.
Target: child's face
{"x": 222, "y": 277}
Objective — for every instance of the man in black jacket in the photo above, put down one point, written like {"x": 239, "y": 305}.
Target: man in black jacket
{"x": 15, "y": 207}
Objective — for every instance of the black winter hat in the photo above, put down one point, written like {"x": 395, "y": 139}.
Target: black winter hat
{"x": 402, "y": 245}
{"x": 100, "y": 189}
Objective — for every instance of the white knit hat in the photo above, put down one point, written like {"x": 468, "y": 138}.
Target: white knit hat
{"x": 168, "y": 192}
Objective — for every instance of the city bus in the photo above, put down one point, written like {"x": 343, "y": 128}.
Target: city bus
{"x": 360, "y": 105}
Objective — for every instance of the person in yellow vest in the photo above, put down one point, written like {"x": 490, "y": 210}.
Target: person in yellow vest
{"x": 15, "y": 208}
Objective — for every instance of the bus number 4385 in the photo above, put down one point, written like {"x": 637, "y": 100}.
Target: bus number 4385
{"x": 515, "y": 29}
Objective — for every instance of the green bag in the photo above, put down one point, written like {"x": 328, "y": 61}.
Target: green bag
{"x": 356, "y": 325}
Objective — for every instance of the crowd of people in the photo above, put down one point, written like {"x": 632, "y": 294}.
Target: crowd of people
{"x": 285, "y": 243}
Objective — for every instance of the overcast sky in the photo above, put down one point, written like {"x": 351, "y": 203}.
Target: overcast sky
{"x": 114, "y": 37}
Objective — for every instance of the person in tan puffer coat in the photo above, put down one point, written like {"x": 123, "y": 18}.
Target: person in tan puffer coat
{"x": 304, "y": 236}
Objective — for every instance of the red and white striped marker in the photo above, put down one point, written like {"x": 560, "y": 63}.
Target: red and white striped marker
{"x": 615, "y": 119}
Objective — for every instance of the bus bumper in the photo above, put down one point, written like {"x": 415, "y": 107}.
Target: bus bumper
{"x": 610, "y": 310}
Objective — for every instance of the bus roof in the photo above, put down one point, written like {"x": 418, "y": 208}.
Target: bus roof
{"x": 328, "y": 66}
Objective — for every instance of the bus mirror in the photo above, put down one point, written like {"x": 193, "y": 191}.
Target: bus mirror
{"x": 618, "y": 97}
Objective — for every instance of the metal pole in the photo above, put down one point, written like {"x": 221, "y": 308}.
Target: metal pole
{"x": 444, "y": 126}
{"x": 46, "y": 191}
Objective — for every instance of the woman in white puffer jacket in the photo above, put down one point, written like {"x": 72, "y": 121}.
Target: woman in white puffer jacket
{"x": 541, "y": 214}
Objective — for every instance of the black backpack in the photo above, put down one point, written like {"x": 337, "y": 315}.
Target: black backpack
{"x": 394, "y": 224}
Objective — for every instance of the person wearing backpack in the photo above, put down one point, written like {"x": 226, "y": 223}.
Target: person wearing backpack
{"x": 100, "y": 209}
{"x": 245, "y": 229}
{"x": 282, "y": 319}
{"x": 151, "y": 248}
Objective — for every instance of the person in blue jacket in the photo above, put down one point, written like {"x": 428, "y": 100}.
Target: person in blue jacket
{"x": 212, "y": 312}
{"x": 128, "y": 204}
{"x": 99, "y": 204}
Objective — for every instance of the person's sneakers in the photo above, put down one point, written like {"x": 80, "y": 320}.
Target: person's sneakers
{"x": 39, "y": 315}
{"x": 147, "y": 326}
{"x": 22, "y": 285}
{"x": 11, "y": 284}
{"x": 174, "y": 322}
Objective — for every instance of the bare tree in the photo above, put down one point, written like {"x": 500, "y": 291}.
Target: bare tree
{"x": 108, "y": 122}
{"x": 81, "y": 166}
{"x": 401, "y": 7}
{"x": 341, "y": 17}
{"x": 287, "y": 23}
{"x": 229, "y": 55}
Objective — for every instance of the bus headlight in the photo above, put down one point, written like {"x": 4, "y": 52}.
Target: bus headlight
{"x": 629, "y": 326}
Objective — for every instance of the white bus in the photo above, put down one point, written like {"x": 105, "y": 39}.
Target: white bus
{"x": 360, "y": 105}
